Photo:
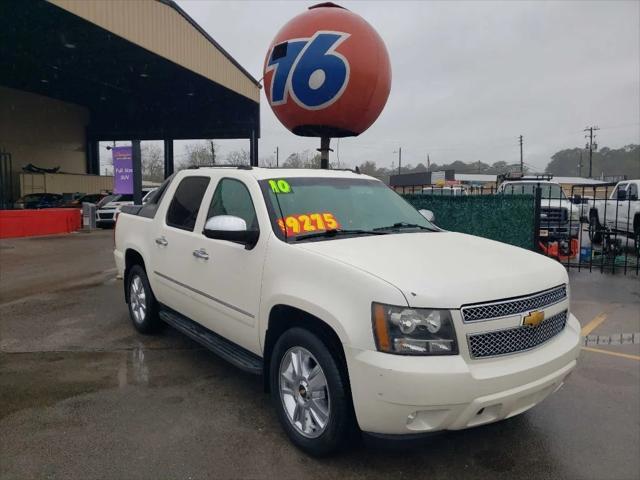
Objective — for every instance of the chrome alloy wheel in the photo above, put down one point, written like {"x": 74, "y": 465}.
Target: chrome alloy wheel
{"x": 304, "y": 392}
{"x": 137, "y": 299}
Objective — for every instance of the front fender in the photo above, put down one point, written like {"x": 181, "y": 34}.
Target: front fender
{"x": 336, "y": 293}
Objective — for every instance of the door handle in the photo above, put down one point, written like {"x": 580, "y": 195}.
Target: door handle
{"x": 201, "y": 253}
{"x": 162, "y": 241}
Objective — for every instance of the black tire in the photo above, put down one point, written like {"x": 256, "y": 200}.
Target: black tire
{"x": 595, "y": 229}
{"x": 149, "y": 322}
{"x": 340, "y": 425}
{"x": 636, "y": 236}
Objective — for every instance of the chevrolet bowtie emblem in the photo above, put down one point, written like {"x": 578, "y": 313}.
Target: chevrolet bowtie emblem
{"x": 533, "y": 319}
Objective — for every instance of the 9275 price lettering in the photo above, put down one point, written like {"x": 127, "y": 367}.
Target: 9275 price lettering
{"x": 293, "y": 225}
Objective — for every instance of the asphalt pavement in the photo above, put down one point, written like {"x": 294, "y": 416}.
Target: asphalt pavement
{"x": 82, "y": 395}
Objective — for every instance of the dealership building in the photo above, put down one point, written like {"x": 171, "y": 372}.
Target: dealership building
{"x": 74, "y": 73}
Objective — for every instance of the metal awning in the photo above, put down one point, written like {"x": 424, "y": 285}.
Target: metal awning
{"x": 144, "y": 69}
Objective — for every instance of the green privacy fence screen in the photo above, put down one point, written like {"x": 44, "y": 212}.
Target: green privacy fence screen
{"x": 506, "y": 218}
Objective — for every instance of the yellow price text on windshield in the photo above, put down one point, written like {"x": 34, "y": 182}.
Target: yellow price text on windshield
{"x": 280, "y": 186}
{"x": 293, "y": 225}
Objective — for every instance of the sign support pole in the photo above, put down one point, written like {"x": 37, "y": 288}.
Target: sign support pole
{"x": 136, "y": 157}
{"x": 324, "y": 152}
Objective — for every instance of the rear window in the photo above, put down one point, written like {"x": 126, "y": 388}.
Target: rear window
{"x": 185, "y": 204}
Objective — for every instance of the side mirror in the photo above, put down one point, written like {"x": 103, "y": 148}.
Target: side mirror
{"x": 577, "y": 199}
{"x": 428, "y": 214}
{"x": 231, "y": 229}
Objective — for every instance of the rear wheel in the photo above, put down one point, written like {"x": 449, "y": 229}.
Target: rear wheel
{"x": 309, "y": 392}
{"x": 143, "y": 308}
{"x": 636, "y": 235}
{"x": 595, "y": 229}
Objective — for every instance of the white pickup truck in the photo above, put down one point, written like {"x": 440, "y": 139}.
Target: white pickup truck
{"x": 348, "y": 301}
{"x": 619, "y": 213}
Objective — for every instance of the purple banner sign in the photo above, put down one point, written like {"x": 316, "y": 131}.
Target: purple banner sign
{"x": 122, "y": 170}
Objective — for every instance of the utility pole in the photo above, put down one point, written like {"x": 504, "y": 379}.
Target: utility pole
{"x": 399, "y": 160}
{"x": 580, "y": 164}
{"x": 591, "y": 146}
{"x": 521, "y": 158}
{"x": 213, "y": 153}
{"x": 428, "y": 163}
{"x": 277, "y": 155}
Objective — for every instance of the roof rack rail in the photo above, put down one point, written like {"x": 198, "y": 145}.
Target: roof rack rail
{"x": 519, "y": 176}
{"x": 237, "y": 167}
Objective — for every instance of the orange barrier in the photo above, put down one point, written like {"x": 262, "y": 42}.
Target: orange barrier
{"x": 551, "y": 250}
{"x": 31, "y": 223}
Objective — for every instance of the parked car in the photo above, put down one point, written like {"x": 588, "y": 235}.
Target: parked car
{"x": 144, "y": 200}
{"x": 583, "y": 204}
{"x": 89, "y": 198}
{"x": 559, "y": 217}
{"x": 39, "y": 200}
{"x": 620, "y": 213}
{"x": 348, "y": 301}
{"x": 106, "y": 212}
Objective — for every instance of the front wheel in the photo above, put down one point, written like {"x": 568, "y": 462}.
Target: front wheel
{"x": 310, "y": 393}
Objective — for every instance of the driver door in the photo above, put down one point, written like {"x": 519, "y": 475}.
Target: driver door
{"x": 230, "y": 279}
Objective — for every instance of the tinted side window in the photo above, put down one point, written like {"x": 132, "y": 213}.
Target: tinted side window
{"x": 185, "y": 204}
{"x": 632, "y": 192}
{"x": 232, "y": 198}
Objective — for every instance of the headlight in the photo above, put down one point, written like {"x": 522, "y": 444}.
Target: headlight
{"x": 413, "y": 331}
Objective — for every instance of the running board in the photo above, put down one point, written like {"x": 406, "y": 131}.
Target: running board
{"x": 229, "y": 351}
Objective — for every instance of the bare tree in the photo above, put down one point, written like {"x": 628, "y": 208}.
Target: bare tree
{"x": 238, "y": 157}
{"x": 268, "y": 162}
{"x": 293, "y": 161}
{"x": 152, "y": 162}
{"x": 305, "y": 159}
{"x": 201, "y": 154}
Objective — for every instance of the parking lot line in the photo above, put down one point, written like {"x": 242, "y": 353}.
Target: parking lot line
{"x": 593, "y": 324}
{"x": 615, "y": 354}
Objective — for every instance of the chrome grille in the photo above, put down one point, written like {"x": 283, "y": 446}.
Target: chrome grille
{"x": 553, "y": 214}
{"x": 518, "y": 339}
{"x": 514, "y": 306}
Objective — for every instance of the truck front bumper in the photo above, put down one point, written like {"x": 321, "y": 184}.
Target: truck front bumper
{"x": 395, "y": 395}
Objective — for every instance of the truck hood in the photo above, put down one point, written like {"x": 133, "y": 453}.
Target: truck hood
{"x": 445, "y": 269}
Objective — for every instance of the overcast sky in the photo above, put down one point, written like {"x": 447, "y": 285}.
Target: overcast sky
{"x": 468, "y": 77}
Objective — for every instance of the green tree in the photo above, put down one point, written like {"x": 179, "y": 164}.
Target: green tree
{"x": 606, "y": 162}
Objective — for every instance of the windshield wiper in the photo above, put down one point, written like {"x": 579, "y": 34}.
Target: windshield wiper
{"x": 333, "y": 232}
{"x": 399, "y": 225}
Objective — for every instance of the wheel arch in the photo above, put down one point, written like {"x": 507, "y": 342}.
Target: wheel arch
{"x": 282, "y": 317}
{"x": 131, "y": 257}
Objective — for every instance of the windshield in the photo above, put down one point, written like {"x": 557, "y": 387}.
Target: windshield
{"x": 309, "y": 207}
{"x": 548, "y": 190}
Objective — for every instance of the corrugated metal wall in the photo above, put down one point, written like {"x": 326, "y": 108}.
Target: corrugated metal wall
{"x": 162, "y": 30}
{"x": 63, "y": 183}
